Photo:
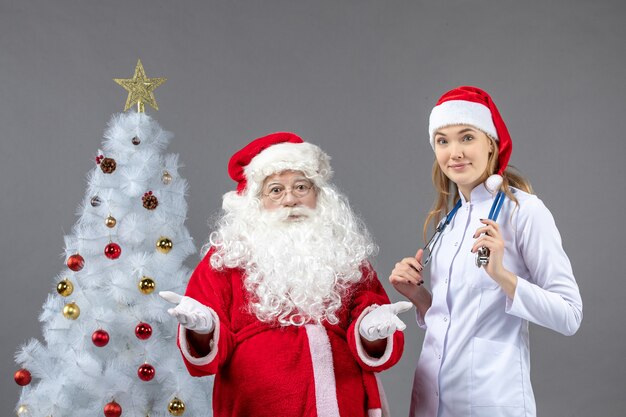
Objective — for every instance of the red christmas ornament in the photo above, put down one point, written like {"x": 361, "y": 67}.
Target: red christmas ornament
{"x": 75, "y": 262}
{"x": 143, "y": 331}
{"x": 22, "y": 377}
{"x": 146, "y": 372}
{"x": 112, "y": 409}
{"x": 112, "y": 251}
{"x": 100, "y": 338}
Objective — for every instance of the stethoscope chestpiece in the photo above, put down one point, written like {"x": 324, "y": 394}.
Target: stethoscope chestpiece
{"x": 482, "y": 256}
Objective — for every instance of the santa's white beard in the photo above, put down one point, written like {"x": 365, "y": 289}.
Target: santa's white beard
{"x": 297, "y": 268}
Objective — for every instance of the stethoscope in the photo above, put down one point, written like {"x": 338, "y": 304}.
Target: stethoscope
{"x": 482, "y": 255}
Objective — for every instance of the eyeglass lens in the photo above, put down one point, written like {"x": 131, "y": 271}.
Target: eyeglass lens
{"x": 299, "y": 190}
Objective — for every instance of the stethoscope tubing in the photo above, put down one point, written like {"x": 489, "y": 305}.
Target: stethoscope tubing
{"x": 496, "y": 206}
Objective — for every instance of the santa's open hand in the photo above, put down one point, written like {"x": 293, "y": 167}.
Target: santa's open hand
{"x": 383, "y": 321}
{"x": 190, "y": 313}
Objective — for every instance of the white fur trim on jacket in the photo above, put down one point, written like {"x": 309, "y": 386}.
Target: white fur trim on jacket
{"x": 323, "y": 371}
{"x": 304, "y": 157}
{"x": 359, "y": 345}
{"x": 184, "y": 345}
{"x": 461, "y": 112}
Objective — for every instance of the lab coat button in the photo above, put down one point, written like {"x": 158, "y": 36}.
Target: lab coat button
{"x": 436, "y": 394}
{"x": 445, "y": 319}
{"x": 456, "y": 243}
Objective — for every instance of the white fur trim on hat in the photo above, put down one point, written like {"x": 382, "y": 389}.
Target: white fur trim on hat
{"x": 461, "y": 112}
{"x": 305, "y": 157}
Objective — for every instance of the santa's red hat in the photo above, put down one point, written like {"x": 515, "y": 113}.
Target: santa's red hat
{"x": 468, "y": 105}
{"x": 274, "y": 153}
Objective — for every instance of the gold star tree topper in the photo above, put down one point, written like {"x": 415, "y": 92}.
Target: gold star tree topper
{"x": 140, "y": 89}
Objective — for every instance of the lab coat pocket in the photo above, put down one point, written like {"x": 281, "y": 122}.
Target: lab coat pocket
{"x": 496, "y": 378}
{"x": 478, "y": 277}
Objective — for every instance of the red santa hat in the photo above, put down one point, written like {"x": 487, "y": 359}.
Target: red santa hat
{"x": 468, "y": 105}
{"x": 274, "y": 153}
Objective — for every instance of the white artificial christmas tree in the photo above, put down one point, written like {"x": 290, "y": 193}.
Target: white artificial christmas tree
{"x": 110, "y": 346}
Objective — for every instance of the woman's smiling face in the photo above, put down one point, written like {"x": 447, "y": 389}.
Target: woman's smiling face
{"x": 462, "y": 152}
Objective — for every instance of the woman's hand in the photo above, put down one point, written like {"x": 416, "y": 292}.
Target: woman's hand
{"x": 489, "y": 236}
{"x": 406, "y": 278}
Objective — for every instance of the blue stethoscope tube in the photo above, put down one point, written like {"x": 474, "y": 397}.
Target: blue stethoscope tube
{"x": 483, "y": 253}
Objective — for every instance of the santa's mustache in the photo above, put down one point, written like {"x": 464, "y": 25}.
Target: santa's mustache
{"x": 284, "y": 214}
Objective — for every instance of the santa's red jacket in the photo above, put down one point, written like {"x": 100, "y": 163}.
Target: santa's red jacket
{"x": 268, "y": 370}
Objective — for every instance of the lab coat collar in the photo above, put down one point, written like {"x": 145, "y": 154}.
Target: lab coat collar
{"x": 478, "y": 194}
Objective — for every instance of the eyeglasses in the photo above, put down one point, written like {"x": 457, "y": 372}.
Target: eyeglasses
{"x": 277, "y": 192}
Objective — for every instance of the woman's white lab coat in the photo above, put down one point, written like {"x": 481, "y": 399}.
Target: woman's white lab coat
{"x": 475, "y": 360}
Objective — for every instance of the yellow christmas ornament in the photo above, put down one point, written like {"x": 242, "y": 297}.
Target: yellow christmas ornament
{"x": 176, "y": 407}
{"x": 23, "y": 411}
{"x": 147, "y": 285}
{"x": 71, "y": 311}
{"x": 166, "y": 178}
{"x": 110, "y": 221}
{"x": 65, "y": 287}
{"x": 140, "y": 89}
{"x": 164, "y": 245}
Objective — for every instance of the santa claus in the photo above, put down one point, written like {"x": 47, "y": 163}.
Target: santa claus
{"x": 285, "y": 309}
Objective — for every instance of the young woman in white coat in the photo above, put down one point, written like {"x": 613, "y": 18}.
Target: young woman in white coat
{"x": 475, "y": 360}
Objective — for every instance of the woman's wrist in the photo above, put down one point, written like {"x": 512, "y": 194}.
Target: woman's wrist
{"x": 507, "y": 281}
{"x": 422, "y": 299}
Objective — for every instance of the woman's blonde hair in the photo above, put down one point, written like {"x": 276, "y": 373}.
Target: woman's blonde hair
{"x": 447, "y": 190}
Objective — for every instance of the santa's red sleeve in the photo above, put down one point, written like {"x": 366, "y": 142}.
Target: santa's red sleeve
{"x": 214, "y": 290}
{"x": 368, "y": 295}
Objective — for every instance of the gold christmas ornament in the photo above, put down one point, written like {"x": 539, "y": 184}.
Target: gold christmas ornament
{"x": 110, "y": 221}
{"x": 23, "y": 411}
{"x": 140, "y": 89}
{"x": 176, "y": 407}
{"x": 71, "y": 311}
{"x": 147, "y": 285}
{"x": 65, "y": 287}
{"x": 164, "y": 245}
{"x": 166, "y": 178}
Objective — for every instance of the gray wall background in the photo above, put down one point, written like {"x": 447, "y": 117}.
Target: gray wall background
{"x": 356, "y": 77}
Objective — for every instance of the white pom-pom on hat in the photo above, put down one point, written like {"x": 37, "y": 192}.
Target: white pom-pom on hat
{"x": 493, "y": 183}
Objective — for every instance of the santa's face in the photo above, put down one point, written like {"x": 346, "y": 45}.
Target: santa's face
{"x": 289, "y": 190}
{"x": 299, "y": 258}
